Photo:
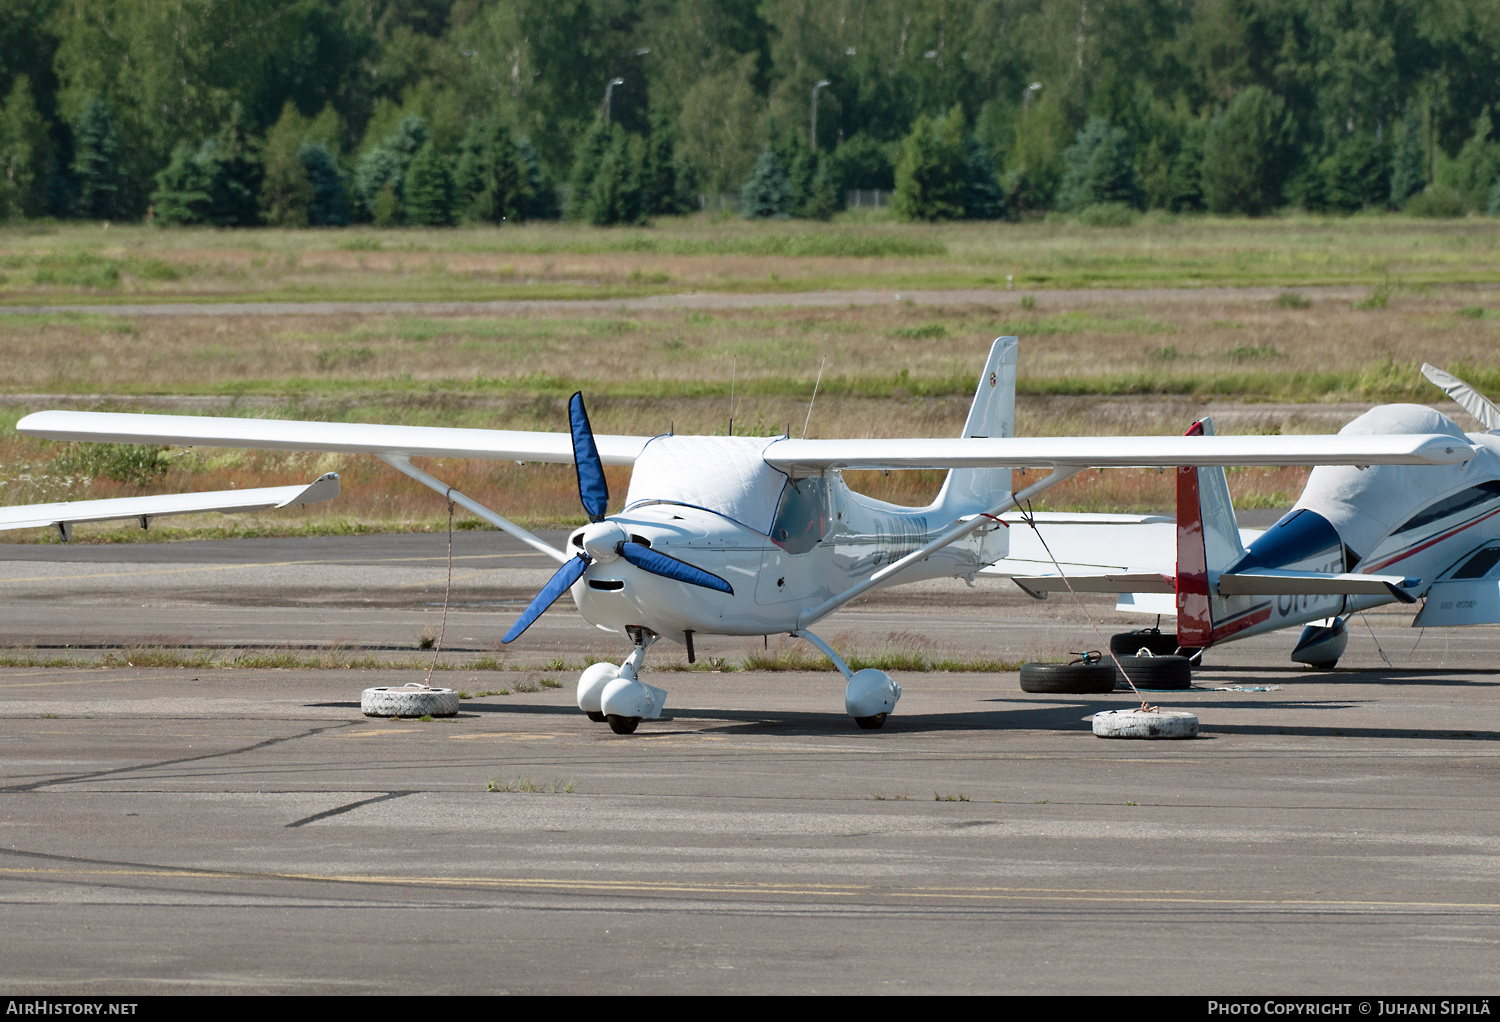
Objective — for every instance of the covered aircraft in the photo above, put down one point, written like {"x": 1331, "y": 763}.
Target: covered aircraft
{"x": 1358, "y": 537}
{"x": 760, "y": 535}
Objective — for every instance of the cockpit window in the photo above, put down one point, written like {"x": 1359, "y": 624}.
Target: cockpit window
{"x": 1471, "y": 499}
{"x": 802, "y": 518}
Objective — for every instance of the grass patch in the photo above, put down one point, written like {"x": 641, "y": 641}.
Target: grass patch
{"x": 1291, "y": 300}
{"x": 927, "y": 331}
{"x": 902, "y": 651}
{"x": 528, "y": 786}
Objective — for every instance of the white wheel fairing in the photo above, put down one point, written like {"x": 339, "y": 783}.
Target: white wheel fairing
{"x": 591, "y": 686}
{"x": 870, "y": 693}
{"x": 626, "y": 697}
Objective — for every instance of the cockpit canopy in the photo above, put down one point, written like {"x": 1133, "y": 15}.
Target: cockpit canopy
{"x": 724, "y": 474}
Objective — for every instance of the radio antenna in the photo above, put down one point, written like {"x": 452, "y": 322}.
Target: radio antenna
{"x": 731, "y": 396}
{"x": 814, "y": 397}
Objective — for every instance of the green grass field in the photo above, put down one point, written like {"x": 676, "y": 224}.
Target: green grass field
{"x": 862, "y": 249}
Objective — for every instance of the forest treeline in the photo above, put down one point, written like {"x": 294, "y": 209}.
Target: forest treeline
{"x": 327, "y": 112}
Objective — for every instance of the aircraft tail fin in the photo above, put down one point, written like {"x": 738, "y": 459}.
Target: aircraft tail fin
{"x": 1208, "y": 540}
{"x": 993, "y": 414}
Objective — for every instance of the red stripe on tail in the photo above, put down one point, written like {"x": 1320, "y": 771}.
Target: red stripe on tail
{"x": 1195, "y": 626}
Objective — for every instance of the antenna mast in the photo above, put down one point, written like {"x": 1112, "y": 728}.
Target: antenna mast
{"x": 814, "y": 397}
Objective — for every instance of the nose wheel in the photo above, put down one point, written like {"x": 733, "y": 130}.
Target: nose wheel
{"x": 616, "y": 695}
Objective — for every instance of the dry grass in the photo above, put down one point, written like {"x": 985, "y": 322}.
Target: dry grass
{"x": 654, "y": 365}
{"x": 901, "y": 651}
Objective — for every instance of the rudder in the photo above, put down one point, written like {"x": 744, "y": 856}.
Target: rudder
{"x": 993, "y": 414}
{"x": 1208, "y": 541}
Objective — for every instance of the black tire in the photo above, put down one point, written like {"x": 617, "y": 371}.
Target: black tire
{"x": 1130, "y": 643}
{"x": 595, "y": 716}
{"x": 1157, "y": 672}
{"x": 1075, "y": 679}
{"x": 871, "y": 723}
{"x": 1326, "y": 665}
{"x": 623, "y": 725}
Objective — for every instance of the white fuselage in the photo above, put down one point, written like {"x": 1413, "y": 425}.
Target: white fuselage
{"x": 825, "y": 539}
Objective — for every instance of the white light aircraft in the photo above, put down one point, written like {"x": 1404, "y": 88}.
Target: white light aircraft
{"x": 736, "y": 535}
{"x": 1358, "y": 537}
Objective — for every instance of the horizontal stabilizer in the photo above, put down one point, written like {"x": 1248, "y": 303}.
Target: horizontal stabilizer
{"x": 1463, "y": 602}
{"x": 1144, "y": 582}
{"x": 1273, "y": 582}
{"x": 227, "y": 502}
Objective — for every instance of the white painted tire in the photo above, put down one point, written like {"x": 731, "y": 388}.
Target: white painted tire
{"x": 1152, "y": 724}
{"x": 591, "y": 686}
{"x": 409, "y": 702}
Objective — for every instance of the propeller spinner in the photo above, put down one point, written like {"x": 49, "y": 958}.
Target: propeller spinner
{"x": 603, "y": 541}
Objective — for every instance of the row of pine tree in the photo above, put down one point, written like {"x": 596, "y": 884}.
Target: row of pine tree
{"x": 433, "y": 112}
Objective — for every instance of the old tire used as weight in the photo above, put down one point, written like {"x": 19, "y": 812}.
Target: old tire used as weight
{"x": 1073, "y": 679}
{"x": 409, "y": 702}
{"x": 1160, "y": 643}
{"x": 1156, "y": 672}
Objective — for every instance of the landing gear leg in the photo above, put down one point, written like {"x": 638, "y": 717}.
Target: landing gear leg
{"x": 626, "y": 700}
{"x": 869, "y": 695}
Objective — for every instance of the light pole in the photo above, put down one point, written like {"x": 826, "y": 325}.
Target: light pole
{"x": 607, "y": 90}
{"x": 813, "y": 135}
{"x": 1026, "y": 97}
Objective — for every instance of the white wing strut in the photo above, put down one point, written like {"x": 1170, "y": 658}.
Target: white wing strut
{"x": 957, "y": 532}
{"x": 66, "y": 514}
{"x": 401, "y": 464}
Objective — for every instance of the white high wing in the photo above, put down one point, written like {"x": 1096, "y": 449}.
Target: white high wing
{"x": 64, "y": 515}
{"x": 760, "y": 535}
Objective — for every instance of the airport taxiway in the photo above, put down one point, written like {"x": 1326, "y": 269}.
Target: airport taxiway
{"x": 218, "y": 830}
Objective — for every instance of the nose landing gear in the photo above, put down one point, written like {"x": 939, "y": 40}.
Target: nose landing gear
{"x": 616, "y": 695}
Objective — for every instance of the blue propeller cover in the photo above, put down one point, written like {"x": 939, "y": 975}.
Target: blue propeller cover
{"x": 592, "y": 489}
{"x": 646, "y": 559}
{"x": 558, "y": 584}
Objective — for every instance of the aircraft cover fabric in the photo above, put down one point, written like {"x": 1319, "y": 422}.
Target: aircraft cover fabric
{"x": 1341, "y": 494}
{"x": 725, "y": 474}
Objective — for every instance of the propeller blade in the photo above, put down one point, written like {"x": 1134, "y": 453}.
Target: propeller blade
{"x": 1469, "y": 399}
{"x": 646, "y": 559}
{"x": 558, "y": 584}
{"x": 592, "y": 489}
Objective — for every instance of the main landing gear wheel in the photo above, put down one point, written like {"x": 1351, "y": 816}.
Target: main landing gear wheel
{"x": 871, "y": 723}
{"x": 1073, "y": 679}
{"x": 622, "y": 725}
{"x": 596, "y": 716}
